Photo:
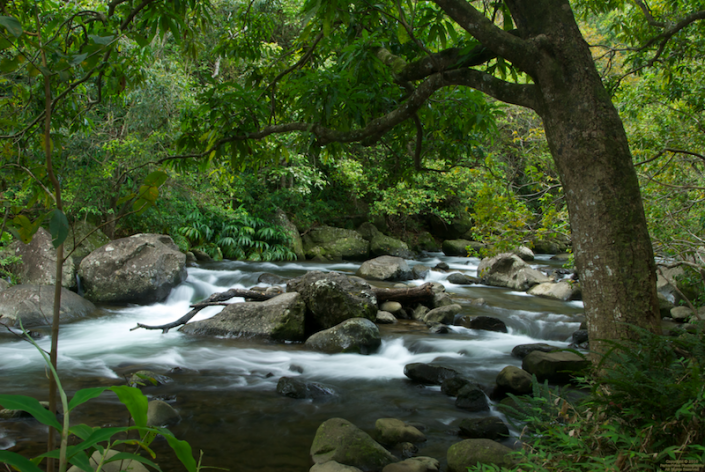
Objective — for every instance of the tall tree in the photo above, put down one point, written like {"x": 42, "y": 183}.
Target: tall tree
{"x": 530, "y": 54}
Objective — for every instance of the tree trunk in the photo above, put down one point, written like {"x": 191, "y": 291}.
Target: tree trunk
{"x": 613, "y": 252}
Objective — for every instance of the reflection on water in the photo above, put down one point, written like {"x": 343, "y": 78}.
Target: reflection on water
{"x": 224, "y": 389}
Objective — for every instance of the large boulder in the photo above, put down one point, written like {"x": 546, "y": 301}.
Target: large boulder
{"x": 278, "y": 319}
{"x": 425, "y": 242}
{"x": 332, "y": 298}
{"x": 444, "y": 314}
{"x": 508, "y": 270}
{"x": 514, "y": 380}
{"x": 358, "y": 335}
{"x": 555, "y": 367}
{"x": 456, "y": 247}
{"x": 472, "y": 452}
{"x": 296, "y": 244}
{"x": 391, "y": 431}
{"x": 383, "y": 245}
{"x": 140, "y": 269}
{"x": 385, "y": 268}
{"x": 489, "y": 427}
{"x": 335, "y": 244}
{"x": 341, "y": 441}
{"x": 38, "y": 266}
{"x": 34, "y": 305}
{"x": 563, "y": 290}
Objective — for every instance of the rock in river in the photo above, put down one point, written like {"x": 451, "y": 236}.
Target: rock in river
{"x": 34, "y": 304}
{"x": 358, "y": 335}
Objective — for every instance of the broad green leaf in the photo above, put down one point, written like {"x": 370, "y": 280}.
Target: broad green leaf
{"x": 402, "y": 34}
{"x": 156, "y": 178}
{"x": 58, "y": 227}
{"x": 31, "y": 406}
{"x": 77, "y": 59}
{"x": 126, "y": 456}
{"x": 182, "y": 450}
{"x": 18, "y": 462}
{"x": 81, "y": 460}
{"x": 135, "y": 402}
{"x": 105, "y": 40}
{"x": 12, "y": 25}
{"x": 82, "y": 396}
{"x": 83, "y": 431}
{"x": 126, "y": 198}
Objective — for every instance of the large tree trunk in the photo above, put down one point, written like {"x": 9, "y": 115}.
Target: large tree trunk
{"x": 613, "y": 252}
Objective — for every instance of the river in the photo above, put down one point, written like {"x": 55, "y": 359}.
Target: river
{"x": 224, "y": 389}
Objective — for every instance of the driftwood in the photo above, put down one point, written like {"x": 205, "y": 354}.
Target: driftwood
{"x": 214, "y": 300}
{"x": 421, "y": 294}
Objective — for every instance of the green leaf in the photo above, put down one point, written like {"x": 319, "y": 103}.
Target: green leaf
{"x": 18, "y": 462}
{"x": 82, "y": 396}
{"x": 182, "y": 450}
{"x": 127, "y": 456}
{"x": 58, "y": 227}
{"x": 83, "y": 431}
{"x": 135, "y": 402}
{"x": 402, "y": 34}
{"x": 126, "y": 198}
{"x": 31, "y": 406}
{"x": 80, "y": 460}
{"x": 104, "y": 40}
{"x": 156, "y": 178}
{"x": 12, "y": 25}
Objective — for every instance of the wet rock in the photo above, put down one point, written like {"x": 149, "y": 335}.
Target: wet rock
{"x": 34, "y": 305}
{"x": 271, "y": 279}
{"x": 681, "y": 313}
{"x": 489, "y": 427}
{"x": 563, "y": 291}
{"x": 332, "y": 298}
{"x": 357, "y": 335}
{"x": 453, "y": 385}
{"x": 472, "y": 398}
{"x": 116, "y": 466}
{"x": 420, "y": 312}
{"x": 278, "y": 319}
{"x": 524, "y": 253}
{"x": 414, "y": 464}
{"x": 334, "y": 244}
{"x": 293, "y": 387}
{"x": 580, "y": 336}
{"x": 428, "y": 374}
{"x": 391, "y": 431}
{"x": 201, "y": 256}
{"x": 442, "y": 299}
{"x": 38, "y": 266}
{"x": 426, "y": 242}
{"x": 333, "y": 466}
{"x": 391, "y": 307}
{"x": 191, "y": 259}
{"x": 508, "y": 270}
{"x": 471, "y": 452}
{"x": 462, "y": 279}
{"x": 514, "y": 380}
{"x": 522, "y": 350}
{"x": 444, "y": 314}
{"x": 384, "y": 317}
{"x": 441, "y": 266}
{"x": 160, "y": 413}
{"x": 140, "y": 269}
{"x": 147, "y": 378}
{"x": 456, "y": 247}
{"x": 420, "y": 271}
{"x": 341, "y": 441}
{"x": 385, "y": 268}
{"x": 556, "y": 367}
{"x": 404, "y": 450}
{"x": 487, "y": 323}
{"x": 437, "y": 328}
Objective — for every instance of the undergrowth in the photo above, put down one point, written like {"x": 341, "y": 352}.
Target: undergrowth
{"x": 645, "y": 411}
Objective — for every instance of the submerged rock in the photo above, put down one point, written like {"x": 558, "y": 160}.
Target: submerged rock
{"x": 341, "y": 441}
{"x": 160, "y": 413}
{"x": 487, "y": 323}
{"x": 391, "y": 431}
{"x": 489, "y": 427}
{"x": 293, "y": 387}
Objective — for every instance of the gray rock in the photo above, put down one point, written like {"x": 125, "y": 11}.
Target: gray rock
{"x": 293, "y": 387}
{"x": 524, "y": 253}
{"x": 555, "y": 367}
{"x": 385, "y": 268}
{"x": 472, "y": 398}
{"x": 334, "y": 244}
{"x": 160, "y": 413}
{"x": 420, "y": 312}
{"x": 116, "y": 466}
{"x": 420, "y": 271}
{"x": 487, "y": 323}
{"x": 332, "y": 298}
{"x": 681, "y": 313}
{"x": 279, "y": 319}
{"x": 453, "y": 385}
{"x": 456, "y": 247}
{"x": 391, "y": 431}
{"x": 414, "y": 464}
{"x": 141, "y": 269}
{"x": 201, "y": 256}
{"x": 580, "y": 336}
{"x": 428, "y": 374}
{"x": 358, "y": 335}
{"x": 442, "y": 299}
{"x": 522, "y": 350}
{"x": 4, "y": 284}
{"x": 563, "y": 290}
{"x": 382, "y": 245}
{"x": 437, "y": 328}
{"x": 341, "y": 441}
{"x": 384, "y": 317}
{"x": 514, "y": 380}
{"x": 296, "y": 244}
{"x": 271, "y": 279}
{"x": 333, "y": 466}
{"x": 445, "y": 314}
{"x": 34, "y": 305}
{"x": 426, "y": 242}
{"x": 508, "y": 270}
{"x": 38, "y": 266}
{"x": 190, "y": 259}
{"x": 471, "y": 452}
{"x": 489, "y": 427}
{"x": 391, "y": 307}
{"x": 462, "y": 279}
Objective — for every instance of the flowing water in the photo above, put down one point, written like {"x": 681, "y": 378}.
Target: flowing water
{"x": 224, "y": 388}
